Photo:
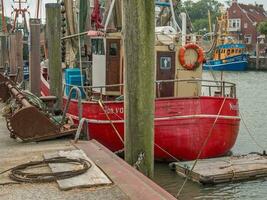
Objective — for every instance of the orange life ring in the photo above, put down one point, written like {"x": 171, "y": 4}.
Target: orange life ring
{"x": 200, "y": 54}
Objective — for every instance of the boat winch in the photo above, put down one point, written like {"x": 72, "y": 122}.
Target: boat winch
{"x": 28, "y": 117}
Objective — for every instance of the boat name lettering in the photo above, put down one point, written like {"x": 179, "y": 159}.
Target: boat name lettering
{"x": 114, "y": 110}
{"x": 234, "y": 107}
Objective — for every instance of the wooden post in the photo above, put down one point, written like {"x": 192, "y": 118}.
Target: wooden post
{"x": 35, "y": 56}
{"x": 139, "y": 23}
{"x": 257, "y": 56}
{"x": 118, "y": 14}
{"x": 3, "y": 50}
{"x": 53, "y": 31}
{"x": 16, "y": 54}
{"x": 85, "y": 25}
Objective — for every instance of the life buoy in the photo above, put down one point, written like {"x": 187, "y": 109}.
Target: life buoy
{"x": 200, "y": 54}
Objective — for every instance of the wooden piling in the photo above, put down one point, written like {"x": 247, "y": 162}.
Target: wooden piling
{"x": 35, "y": 56}
{"x": 53, "y": 31}
{"x": 3, "y": 50}
{"x": 16, "y": 54}
{"x": 257, "y": 55}
{"x": 139, "y": 23}
{"x": 118, "y": 14}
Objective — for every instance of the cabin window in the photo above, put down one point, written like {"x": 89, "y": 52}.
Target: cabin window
{"x": 236, "y": 51}
{"x": 228, "y": 51}
{"x": 240, "y": 51}
{"x": 165, "y": 62}
{"x": 232, "y": 51}
{"x": 98, "y": 46}
{"x": 113, "y": 49}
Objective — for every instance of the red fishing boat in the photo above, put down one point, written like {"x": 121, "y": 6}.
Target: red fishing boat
{"x": 191, "y": 115}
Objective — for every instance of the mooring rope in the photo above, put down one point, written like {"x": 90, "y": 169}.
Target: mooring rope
{"x": 201, "y": 150}
{"x": 250, "y": 134}
{"x": 112, "y": 124}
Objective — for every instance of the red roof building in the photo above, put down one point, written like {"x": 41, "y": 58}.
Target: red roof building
{"x": 243, "y": 21}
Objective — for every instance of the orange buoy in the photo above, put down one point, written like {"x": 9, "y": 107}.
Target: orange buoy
{"x": 200, "y": 54}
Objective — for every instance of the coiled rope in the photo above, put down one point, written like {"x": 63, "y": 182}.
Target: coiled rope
{"x": 17, "y": 173}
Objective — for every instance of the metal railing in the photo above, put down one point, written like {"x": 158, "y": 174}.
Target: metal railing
{"x": 79, "y": 96}
{"x": 204, "y": 87}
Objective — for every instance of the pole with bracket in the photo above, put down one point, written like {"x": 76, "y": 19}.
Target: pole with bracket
{"x": 139, "y": 23}
{"x": 53, "y": 31}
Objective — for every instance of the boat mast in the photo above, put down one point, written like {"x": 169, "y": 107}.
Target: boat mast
{"x": 20, "y": 11}
{"x": 39, "y": 3}
{"x": 4, "y": 28}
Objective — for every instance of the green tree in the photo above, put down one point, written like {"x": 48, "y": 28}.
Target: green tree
{"x": 198, "y": 12}
{"x": 262, "y": 28}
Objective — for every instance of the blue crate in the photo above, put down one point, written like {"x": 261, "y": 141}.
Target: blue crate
{"x": 70, "y": 72}
{"x": 73, "y": 77}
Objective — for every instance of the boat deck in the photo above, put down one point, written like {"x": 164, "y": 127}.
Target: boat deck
{"x": 127, "y": 182}
{"x": 224, "y": 169}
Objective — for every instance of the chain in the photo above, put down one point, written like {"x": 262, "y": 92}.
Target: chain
{"x": 141, "y": 157}
{"x": 119, "y": 151}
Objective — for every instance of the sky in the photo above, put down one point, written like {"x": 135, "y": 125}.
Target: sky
{"x": 32, "y": 4}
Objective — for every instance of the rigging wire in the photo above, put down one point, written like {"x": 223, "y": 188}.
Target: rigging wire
{"x": 201, "y": 149}
{"x": 250, "y": 134}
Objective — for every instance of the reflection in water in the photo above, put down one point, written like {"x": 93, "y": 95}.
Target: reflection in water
{"x": 252, "y": 94}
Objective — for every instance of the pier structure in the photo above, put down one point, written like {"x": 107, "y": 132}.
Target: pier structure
{"x": 127, "y": 183}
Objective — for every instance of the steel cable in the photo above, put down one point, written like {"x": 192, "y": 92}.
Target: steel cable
{"x": 249, "y": 132}
{"x": 17, "y": 173}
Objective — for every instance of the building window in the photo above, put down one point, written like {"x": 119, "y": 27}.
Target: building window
{"x": 234, "y": 11}
{"x": 234, "y": 23}
{"x": 245, "y": 25}
{"x": 248, "y": 39}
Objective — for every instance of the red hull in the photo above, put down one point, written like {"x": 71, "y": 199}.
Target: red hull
{"x": 181, "y": 125}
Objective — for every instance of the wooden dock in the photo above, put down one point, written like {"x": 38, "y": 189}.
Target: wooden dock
{"x": 224, "y": 169}
{"x": 127, "y": 183}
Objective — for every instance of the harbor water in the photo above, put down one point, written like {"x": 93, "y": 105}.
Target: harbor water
{"x": 252, "y": 95}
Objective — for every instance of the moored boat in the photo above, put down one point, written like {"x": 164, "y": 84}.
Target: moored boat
{"x": 188, "y": 110}
{"x": 227, "y": 54}
{"x": 228, "y": 57}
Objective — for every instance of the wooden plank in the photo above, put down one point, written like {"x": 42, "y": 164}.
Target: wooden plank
{"x": 92, "y": 178}
{"x": 225, "y": 169}
{"x": 130, "y": 181}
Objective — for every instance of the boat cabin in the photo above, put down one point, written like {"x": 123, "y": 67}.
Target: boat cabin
{"x": 228, "y": 50}
{"x": 108, "y": 67}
